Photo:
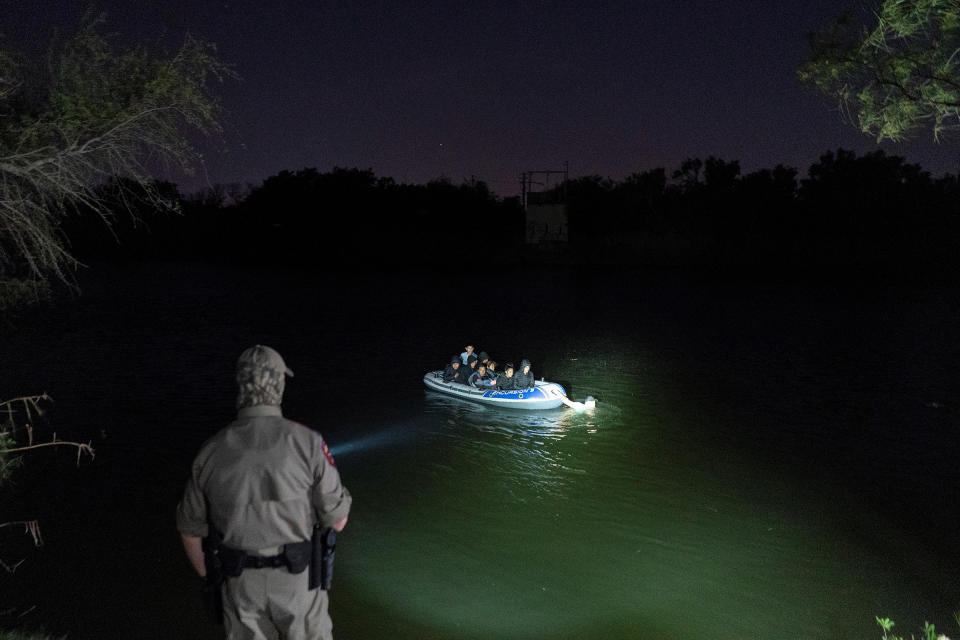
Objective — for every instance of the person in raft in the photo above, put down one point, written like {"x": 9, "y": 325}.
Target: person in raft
{"x": 467, "y": 352}
{"x": 450, "y": 372}
{"x": 507, "y": 381}
{"x": 470, "y": 369}
{"x": 525, "y": 379}
{"x": 463, "y": 374}
{"x": 492, "y": 372}
{"x": 480, "y": 379}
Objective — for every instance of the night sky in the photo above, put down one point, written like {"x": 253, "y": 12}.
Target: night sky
{"x": 487, "y": 89}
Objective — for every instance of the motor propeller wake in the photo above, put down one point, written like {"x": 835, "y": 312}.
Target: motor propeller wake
{"x": 587, "y": 405}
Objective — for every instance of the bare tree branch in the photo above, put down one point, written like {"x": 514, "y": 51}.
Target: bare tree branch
{"x": 31, "y": 527}
{"x": 81, "y": 447}
{"x": 104, "y": 116}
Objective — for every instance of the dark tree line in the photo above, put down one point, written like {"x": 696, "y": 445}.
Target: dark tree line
{"x": 874, "y": 210}
{"x": 345, "y": 217}
{"x": 866, "y": 211}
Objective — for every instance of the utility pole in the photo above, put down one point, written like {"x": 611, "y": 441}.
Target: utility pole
{"x": 526, "y": 181}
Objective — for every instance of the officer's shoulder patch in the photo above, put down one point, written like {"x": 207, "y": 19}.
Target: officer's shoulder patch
{"x": 326, "y": 452}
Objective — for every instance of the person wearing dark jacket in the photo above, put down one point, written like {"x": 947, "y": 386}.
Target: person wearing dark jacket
{"x": 507, "y": 381}
{"x": 463, "y": 373}
{"x": 525, "y": 379}
{"x": 480, "y": 379}
{"x": 450, "y": 372}
{"x": 492, "y": 372}
{"x": 470, "y": 368}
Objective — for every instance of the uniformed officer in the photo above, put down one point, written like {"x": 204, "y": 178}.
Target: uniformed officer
{"x": 262, "y": 483}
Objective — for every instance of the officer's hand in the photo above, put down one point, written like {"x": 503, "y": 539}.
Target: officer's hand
{"x": 338, "y": 527}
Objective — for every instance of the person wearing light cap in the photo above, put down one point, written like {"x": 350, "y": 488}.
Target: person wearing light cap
{"x": 259, "y": 486}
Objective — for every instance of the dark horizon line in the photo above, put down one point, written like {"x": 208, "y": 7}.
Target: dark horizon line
{"x": 478, "y": 179}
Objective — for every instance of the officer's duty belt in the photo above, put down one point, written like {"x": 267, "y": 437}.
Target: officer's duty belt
{"x": 260, "y": 562}
{"x": 295, "y": 556}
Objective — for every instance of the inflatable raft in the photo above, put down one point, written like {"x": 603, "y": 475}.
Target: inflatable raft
{"x": 545, "y": 395}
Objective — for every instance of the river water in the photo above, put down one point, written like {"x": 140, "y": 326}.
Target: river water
{"x": 770, "y": 460}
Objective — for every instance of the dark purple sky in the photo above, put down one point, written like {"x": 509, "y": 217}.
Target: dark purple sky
{"x": 420, "y": 89}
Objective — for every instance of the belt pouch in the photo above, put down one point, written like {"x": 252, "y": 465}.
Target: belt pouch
{"x": 232, "y": 561}
{"x": 297, "y": 556}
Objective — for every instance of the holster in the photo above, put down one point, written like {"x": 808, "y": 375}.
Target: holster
{"x": 211, "y": 593}
{"x": 324, "y": 542}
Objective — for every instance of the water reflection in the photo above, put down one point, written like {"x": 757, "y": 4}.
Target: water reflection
{"x": 511, "y": 524}
{"x": 526, "y": 448}
{"x": 489, "y": 547}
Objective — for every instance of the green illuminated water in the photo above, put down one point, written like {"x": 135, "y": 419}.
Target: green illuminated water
{"x": 764, "y": 461}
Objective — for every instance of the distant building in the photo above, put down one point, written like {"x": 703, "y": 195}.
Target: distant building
{"x": 545, "y": 210}
{"x": 547, "y": 223}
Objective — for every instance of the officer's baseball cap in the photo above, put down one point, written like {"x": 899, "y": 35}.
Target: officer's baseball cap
{"x": 260, "y": 356}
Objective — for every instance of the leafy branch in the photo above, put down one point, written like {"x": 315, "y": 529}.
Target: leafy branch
{"x": 929, "y": 631}
{"x": 896, "y": 74}
{"x": 94, "y": 115}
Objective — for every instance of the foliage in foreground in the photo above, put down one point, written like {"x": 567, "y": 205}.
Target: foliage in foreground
{"x": 928, "y": 633}
{"x": 17, "y": 432}
{"x": 17, "y": 436}
{"x": 897, "y": 75}
{"x": 88, "y": 115}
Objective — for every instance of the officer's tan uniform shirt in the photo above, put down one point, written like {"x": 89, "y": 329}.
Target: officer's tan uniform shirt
{"x": 260, "y": 481}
